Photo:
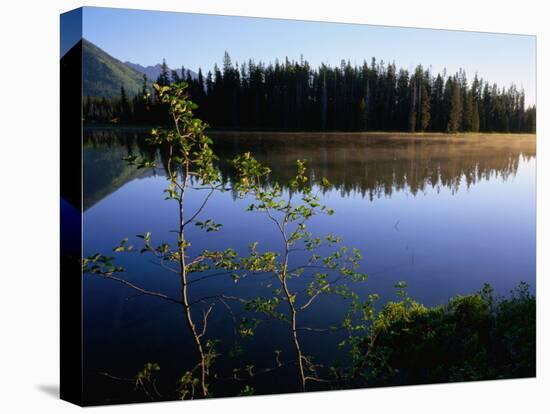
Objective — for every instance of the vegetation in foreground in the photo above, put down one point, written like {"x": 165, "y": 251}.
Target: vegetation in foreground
{"x": 326, "y": 268}
{"x": 473, "y": 337}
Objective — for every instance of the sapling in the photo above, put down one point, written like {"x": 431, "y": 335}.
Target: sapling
{"x": 189, "y": 166}
{"x": 324, "y": 272}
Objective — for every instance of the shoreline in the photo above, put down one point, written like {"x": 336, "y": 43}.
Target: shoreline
{"x": 366, "y": 134}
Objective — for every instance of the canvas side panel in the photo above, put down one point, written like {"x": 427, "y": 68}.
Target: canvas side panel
{"x": 71, "y": 207}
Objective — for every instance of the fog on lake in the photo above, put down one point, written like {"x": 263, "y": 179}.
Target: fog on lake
{"x": 443, "y": 213}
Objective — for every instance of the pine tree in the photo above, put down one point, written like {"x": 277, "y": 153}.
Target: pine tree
{"x": 324, "y": 99}
{"x": 124, "y": 106}
{"x": 424, "y": 104}
{"x": 455, "y": 112}
{"x": 475, "y": 117}
{"x": 292, "y": 95}
{"x": 164, "y": 77}
{"x": 403, "y": 104}
{"x": 200, "y": 80}
{"x": 476, "y": 102}
{"x": 363, "y": 115}
{"x": 468, "y": 112}
{"x": 175, "y": 77}
{"x": 413, "y": 104}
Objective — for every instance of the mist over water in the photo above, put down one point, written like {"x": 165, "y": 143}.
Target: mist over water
{"x": 443, "y": 213}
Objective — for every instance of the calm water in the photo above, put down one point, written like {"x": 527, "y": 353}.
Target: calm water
{"x": 444, "y": 214}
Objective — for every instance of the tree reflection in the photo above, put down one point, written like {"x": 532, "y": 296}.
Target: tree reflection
{"x": 371, "y": 166}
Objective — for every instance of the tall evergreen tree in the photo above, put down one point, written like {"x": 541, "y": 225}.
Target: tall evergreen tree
{"x": 468, "y": 112}
{"x": 125, "y": 111}
{"x": 371, "y": 97}
{"x": 455, "y": 110}
{"x": 164, "y": 77}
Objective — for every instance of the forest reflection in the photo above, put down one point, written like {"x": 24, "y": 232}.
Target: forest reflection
{"x": 371, "y": 165}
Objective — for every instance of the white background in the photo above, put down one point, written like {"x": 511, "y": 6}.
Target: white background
{"x": 29, "y": 199}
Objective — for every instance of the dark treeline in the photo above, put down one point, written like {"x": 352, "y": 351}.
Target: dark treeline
{"x": 294, "y": 96}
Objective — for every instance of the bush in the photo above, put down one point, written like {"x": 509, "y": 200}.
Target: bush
{"x": 473, "y": 337}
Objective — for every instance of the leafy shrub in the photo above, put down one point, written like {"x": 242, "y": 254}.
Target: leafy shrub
{"x": 474, "y": 337}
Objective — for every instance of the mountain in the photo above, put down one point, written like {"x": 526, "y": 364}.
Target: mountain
{"x": 103, "y": 75}
{"x": 153, "y": 72}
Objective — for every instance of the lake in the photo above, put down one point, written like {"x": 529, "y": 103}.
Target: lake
{"x": 444, "y": 213}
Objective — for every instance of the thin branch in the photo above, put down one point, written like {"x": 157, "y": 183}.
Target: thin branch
{"x": 318, "y": 379}
{"x": 296, "y": 249}
{"x": 196, "y": 260}
{"x": 106, "y": 374}
{"x": 139, "y": 289}
{"x": 216, "y": 187}
{"x": 205, "y": 320}
{"x": 307, "y": 267}
{"x": 165, "y": 266}
{"x": 190, "y": 220}
{"x": 263, "y": 371}
{"x": 310, "y": 301}
{"x": 319, "y": 291}
{"x": 210, "y": 276}
{"x": 232, "y": 316}
{"x": 217, "y": 297}
{"x": 154, "y": 385}
{"x": 305, "y": 328}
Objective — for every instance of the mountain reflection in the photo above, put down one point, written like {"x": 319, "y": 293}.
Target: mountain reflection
{"x": 372, "y": 166}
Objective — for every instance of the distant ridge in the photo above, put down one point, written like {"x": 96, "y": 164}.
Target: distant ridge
{"x": 153, "y": 72}
{"x": 103, "y": 75}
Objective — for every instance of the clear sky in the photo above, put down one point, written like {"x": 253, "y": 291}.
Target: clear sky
{"x": 199, "y": 40}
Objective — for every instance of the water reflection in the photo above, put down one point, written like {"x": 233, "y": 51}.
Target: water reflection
{"x": 448, "y": 214}
{"x": 372, "y": 166}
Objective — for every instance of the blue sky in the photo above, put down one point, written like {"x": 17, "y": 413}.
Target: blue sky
{"x": 198, "y": 40}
